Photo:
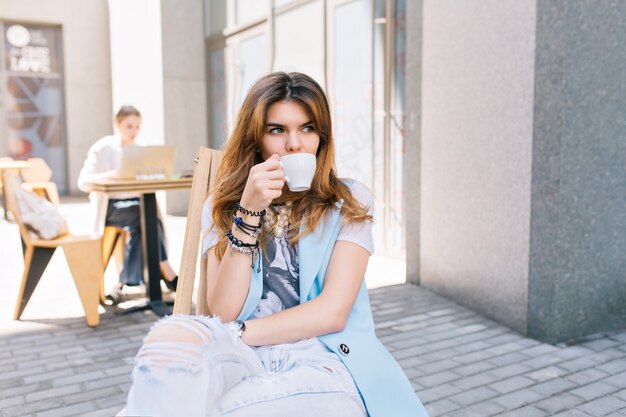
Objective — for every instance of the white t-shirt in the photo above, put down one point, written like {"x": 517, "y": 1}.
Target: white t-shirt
{"x": 281, "y": 266}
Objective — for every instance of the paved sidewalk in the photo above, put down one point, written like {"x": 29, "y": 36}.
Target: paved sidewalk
{"x": 460, "y": 363}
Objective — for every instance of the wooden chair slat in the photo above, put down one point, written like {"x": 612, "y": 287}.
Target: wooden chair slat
{"x": 208, "y": 161}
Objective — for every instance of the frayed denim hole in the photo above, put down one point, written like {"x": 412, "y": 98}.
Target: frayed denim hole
{"x": 159, "y": 358}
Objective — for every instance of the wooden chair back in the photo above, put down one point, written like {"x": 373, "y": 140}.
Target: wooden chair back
{"x": 207, "y": 164}
{"x": 11, "y": 183}
{"x": 38, "y": 171}
{"x": 83, "y": 255}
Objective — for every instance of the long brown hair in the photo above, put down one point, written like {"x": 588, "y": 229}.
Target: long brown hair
{"x": 241, "y": 154}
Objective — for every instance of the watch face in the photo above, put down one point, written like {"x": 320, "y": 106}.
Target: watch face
{"x": 241, "y": 325}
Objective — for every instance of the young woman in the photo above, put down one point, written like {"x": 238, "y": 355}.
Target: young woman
{"x": 292, "y": 333}
{"x": 122, "y": 210}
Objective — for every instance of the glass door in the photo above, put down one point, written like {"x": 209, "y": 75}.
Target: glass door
{"x": 366, "y": 79}
{"x": 31, "y": 102}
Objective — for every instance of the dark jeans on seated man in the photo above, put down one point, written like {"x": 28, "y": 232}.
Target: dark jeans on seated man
{"x": 125, "y": 214}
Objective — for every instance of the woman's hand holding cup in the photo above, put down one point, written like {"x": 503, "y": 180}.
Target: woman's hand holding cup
{"x": 265, "y": 183}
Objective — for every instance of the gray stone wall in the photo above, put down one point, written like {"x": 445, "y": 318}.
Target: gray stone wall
{"x": 184, "y": 87}
{"x": 521, "y": 151}
{"x": 477, "y": 113}
{"x": 412, "y": 123}
{"x": 577, "y": 280}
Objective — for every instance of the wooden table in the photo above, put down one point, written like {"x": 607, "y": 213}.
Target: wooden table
{"x": 150, "y": 239}
{"x": 9, "y": 165}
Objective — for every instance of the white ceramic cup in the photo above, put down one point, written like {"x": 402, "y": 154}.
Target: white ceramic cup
{"x": 299, "y": 169}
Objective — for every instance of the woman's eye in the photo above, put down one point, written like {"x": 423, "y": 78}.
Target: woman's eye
{"x": 309, "y": 128}
{"x": 276, "y": 130}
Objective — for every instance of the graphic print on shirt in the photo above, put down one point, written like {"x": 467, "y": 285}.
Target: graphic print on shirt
{"x": 281, "y": 278}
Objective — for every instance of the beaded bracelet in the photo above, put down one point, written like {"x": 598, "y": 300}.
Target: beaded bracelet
{"x": 237, "y": 245}
{"x": 233, "y": 240}
{"x": 246, "y": 228}
{"x": 249, "y": 212}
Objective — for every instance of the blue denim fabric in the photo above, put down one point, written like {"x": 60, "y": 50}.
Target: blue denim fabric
{"x": 223, "y": 377}
{"x": 126, "y": 214}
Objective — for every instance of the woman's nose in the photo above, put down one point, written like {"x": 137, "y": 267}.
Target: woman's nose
{"x": 294, "y": 144}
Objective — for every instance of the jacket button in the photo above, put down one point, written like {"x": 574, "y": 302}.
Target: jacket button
{"x": 343, "y": 348}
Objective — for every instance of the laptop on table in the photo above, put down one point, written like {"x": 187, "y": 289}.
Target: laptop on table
{"x": 147, "y": 162}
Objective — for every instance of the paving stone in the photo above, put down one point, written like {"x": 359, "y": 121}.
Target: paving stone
{"x": 587, "y": 376}
{"x": 437, "y": 393}
{"x": 573, "y": 413}
{"x": 527, "y": 411}
{"x": 475, "y": 395}
{"x": 470, "y": 347}
{"x": 11, "y": 401}
{"x": 47, "y": 376}
{"x": 517, "y": 399}
{"x": 539, "y": 350}
{"x": 619, "y": 380}
{"x": 441, "y": 407}
{"x": 553, "y": 386}
{"x": 613, "y": 367}
{"x": 509, "y": 358}
{"x": 435, "y": 367}
{"x": 438, "y": 378}
{"x": 545, "y": 374}
{"x": 542, "y": 361}
{"x": 473, "y": 357}
{"x": 601, "y": 344}
{"x": 82, "y": 377}
{"x": 602, "y": 406}
{"x": 608, "y": 355}
{"x": 52, "y": 393}
{"x": 484, "y": 409}
{"x": 474, "y": 381}
{"x": 104, "y": 412}
{"x": 594, "y": 390}
{"x": 505, "y": 348}
{"x": 620, "y": 394}
{"x": 29, "y": 409}
{"x": 578, "y": 364}
{"x": 511, "y": 384}
{"x": 67, "y": 411}
{"x": 559, "y": 402}
{"x": 508, "y": 370}
{"x": 95, "y": 394}
{"x": 473, "y": 368}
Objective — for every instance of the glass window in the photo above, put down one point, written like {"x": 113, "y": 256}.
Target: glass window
{"x": 250, "y": 10}
{"x": 280, "y": 3}
{"x": 352, "y": 90}
{"x": 396, "y": 134}
{"x": 299, "y": 41}
{"x": 252, "y": 64}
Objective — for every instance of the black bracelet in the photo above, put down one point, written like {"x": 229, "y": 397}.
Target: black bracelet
{"x": 250, "y": 230}
{"x": 248, "y": 212}
{"x": 253, "y": 233}
{"x": 239, "y": 243}
{"x": 239, "y": 222}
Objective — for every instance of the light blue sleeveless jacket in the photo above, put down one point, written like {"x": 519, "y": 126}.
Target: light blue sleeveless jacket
{"x": 384, "y": 387}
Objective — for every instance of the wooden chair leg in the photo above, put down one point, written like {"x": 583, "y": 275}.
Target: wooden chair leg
{"x": 120, "y": 248}
{"x": 85, "y": 262}
{"x": 35, "y": 262}
{"x": 110, "y": 242}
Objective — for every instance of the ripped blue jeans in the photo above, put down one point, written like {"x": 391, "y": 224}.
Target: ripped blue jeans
{"x": 208, "y": 371}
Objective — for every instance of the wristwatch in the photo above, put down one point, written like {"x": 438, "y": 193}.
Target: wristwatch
{"x": 241, "y": 327}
